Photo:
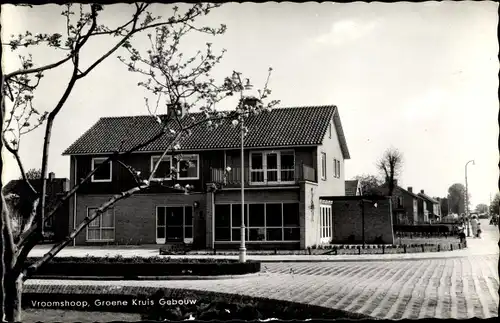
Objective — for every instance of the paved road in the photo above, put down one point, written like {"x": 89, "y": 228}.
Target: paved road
{"x": 460, "y": 287}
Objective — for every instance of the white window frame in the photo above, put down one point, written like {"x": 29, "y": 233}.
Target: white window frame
{"x": 338, "y": 168}
{"x": 323, "y": 166}
{"x": 184, "y": 225}
{"x": 265, "y": 227}
{"x": 152, "y": 165}
{"x": 326, "y": 227}
{"x": 264, "y": 169}
{"x": 189, "y": 157}
{"x": 107, "y": 180}
{"x": 112, "y": 210}
{"x": 330, "y": 130}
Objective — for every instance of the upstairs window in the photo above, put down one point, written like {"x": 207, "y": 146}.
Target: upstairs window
{"x": 400, "y": 201}
{"x": 338, "y": 168}
{"x": 330, "y": 130}
{"x": 188, "y": 167}
{"x": 164, "y": 169}
{"x": 103, "y": 174}
{"x": 272, "y": 167}
{"x": 323, "y": 166}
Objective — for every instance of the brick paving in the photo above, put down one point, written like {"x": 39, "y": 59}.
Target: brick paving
{"x": 460, "y": 287}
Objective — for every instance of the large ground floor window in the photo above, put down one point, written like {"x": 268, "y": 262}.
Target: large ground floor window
{"x": 102, "y": 228}
{"x": 263, "y": 222}
{"x": 325, "y": 223}
{"x": 174, "y": 224}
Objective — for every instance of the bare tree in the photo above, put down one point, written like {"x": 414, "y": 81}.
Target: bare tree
{"x": 390, "y": 166}
{"x": 184, "y": 82}
{"x": 33, "y": 174}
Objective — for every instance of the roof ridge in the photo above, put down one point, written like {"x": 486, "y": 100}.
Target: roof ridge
{"x": 294, "y": 131}
{"x": 199, "y": 112}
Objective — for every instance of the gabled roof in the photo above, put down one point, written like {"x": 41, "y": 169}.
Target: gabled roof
{"x": 280, "y": 127}
{"x": 385, "y": 187}
{"x": 428, "y": 198}
{"x": 351, "y": 187}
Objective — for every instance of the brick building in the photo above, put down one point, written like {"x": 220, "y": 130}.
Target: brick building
{"x": 405, "y": 204}
{"x": 292, "y": 157}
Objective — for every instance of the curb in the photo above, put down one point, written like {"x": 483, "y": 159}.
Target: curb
{"x": 138, "y": 278}
{"x": 357, "y": 260}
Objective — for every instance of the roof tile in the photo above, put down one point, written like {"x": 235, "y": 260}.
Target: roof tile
{"x": 297, "y": 126}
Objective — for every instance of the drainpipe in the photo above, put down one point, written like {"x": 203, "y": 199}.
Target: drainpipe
{"x": 74, "y": 202}
{"x": 213, "y": 219}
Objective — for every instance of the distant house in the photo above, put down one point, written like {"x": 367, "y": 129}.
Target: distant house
{"x": 430, "y": 208}
{"x": 55, "y": 228}
{"x": 404, "y": 204}
{"x": 353, "y": 188}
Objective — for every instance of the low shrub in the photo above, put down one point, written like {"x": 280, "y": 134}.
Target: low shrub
{"x": 131, "y": 268}
{"x": 133, "y": 260}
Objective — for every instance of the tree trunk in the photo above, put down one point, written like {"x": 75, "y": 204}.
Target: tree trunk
{"x": 13, "y": 287}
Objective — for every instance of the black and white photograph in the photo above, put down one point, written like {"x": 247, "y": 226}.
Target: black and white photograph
{"x": 171, "y": 161}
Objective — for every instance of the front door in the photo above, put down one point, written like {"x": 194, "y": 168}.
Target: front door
{"x": 174, "y": 224}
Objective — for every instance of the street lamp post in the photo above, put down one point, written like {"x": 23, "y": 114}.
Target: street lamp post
{"x": 243, "y": 249}
{"x": 363, "y": 222}
{"x": 467, "y": 197}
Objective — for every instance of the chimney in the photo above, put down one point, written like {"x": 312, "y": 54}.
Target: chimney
{"x": 52, "y": 176}
{"x": 250, "y": 101}
{"x": 422, "y": 191}
{"x": 410, "y": 189}
{"x": 179, "y": 110}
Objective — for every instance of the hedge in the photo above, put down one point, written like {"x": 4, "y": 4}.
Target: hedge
{"x": 425, "y": 229}
{"x": 130, "y": 268}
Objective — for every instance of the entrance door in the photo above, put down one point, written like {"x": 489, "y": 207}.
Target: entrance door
{"x": 174, "y": 224}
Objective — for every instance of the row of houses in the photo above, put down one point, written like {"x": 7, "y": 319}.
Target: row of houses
{"x": 293, "y": 174}
{"x": 408, "y": 207}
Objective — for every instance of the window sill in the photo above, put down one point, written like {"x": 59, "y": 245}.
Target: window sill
{"x": 162, "y": 179}
{"x": 101, "y": 180}
{"x": 104, "y": 240}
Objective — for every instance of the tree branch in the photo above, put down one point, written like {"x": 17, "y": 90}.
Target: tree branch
{"x": 21, "y": 167}
{"x": 30, "y": 222}
{"x": 58, "y": 247}
{"x": 60, "y": 203}
{"x": 38, "y": 69}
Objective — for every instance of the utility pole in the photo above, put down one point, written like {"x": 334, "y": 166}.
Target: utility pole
{"x": 243, "y": 249}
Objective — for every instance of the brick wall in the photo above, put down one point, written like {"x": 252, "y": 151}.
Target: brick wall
{"x": 347, "y": 221}
{"x": 135, "y": 217}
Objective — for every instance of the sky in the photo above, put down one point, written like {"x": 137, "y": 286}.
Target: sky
{"x": 420, "y": 77}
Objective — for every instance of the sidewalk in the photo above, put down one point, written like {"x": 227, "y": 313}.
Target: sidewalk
{"x": 487, "y": 245}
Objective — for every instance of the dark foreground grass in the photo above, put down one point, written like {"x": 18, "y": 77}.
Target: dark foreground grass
{"x": 153, "y": 304}
{"x": 31, "y": 315}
